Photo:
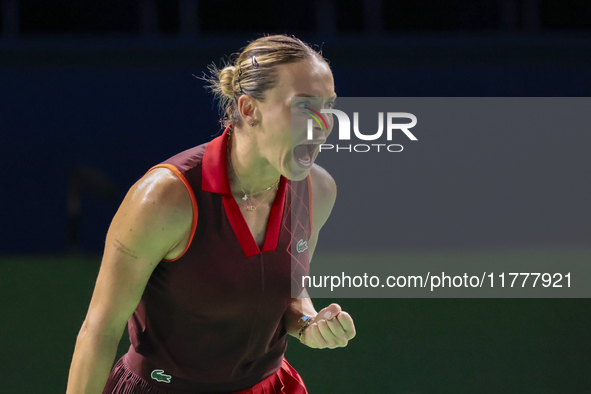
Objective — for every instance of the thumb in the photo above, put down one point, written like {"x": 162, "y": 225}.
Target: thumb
{"x": 328, "y": 313}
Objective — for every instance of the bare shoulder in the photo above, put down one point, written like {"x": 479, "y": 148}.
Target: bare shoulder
{"x": 166, "y": 192}
{"x": 324, "y": 193}
{"x": 322, "y": 180}
{"x": 158, "y": 209}
{"x": 161, "y": 186}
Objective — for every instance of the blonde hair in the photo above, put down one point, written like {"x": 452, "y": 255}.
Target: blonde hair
{"x": 253, "y": 72}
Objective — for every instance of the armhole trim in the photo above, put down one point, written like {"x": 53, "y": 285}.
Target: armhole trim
{"x": 193, "y": 203}
{"x": 310, "y": 202}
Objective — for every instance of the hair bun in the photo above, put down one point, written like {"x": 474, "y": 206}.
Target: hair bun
{"x": 254, "y": 69}
{"x": 227, "y": 80}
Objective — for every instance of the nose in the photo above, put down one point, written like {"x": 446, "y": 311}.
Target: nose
{"x": 319, "y": 135}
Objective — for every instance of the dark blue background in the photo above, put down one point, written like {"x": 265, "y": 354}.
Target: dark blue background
{"x": 123, "y": 108}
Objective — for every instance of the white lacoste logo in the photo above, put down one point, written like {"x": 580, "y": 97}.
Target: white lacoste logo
{"x": 301, "y": 246}
{"x": 159, "y": 376}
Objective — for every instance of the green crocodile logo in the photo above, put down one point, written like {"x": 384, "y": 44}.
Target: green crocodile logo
{"x": 301, "y": 246}
{"x": 158, "y": 375}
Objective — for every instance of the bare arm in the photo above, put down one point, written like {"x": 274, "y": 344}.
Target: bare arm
{"x": 151, "y": 224}
{"x": 324, "y": 194}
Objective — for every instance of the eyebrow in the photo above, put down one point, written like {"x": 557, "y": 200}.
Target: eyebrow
{"x": 309, "y": 95}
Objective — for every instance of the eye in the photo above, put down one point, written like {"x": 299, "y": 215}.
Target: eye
{"x": 330, "y": 104}
{"x": 303, "y": 105}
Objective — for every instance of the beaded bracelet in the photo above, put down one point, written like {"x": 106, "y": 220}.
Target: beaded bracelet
{"x": 305, "y": 322}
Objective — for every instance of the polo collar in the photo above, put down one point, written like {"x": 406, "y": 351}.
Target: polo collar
{"x": 215, "y": 180}
{"x": 215, "y": 167}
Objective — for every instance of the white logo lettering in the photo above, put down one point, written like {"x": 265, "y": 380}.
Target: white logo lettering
{"x": 345, "y": 125}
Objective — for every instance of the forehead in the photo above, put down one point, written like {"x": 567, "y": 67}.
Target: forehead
{"x": 311, "y": 77}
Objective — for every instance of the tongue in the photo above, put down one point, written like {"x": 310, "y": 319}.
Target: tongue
{"x": 301, "y": 152}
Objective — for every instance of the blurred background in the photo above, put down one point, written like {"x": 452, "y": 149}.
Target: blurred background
{"x": 92, "y": 94}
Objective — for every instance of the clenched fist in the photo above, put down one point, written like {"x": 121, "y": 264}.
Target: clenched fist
{"x": 330, "y": 328}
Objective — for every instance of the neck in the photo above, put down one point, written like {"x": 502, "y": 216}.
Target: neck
{"x": 248, "y": 171}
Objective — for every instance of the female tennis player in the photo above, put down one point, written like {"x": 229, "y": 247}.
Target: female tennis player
{"x": 202, "y": 256}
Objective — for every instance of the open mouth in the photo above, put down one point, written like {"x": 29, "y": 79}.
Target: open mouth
{"x": 304, "y": 154}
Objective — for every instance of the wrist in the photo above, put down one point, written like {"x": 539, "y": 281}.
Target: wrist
{"x": 303, "y": 323}
{"x": 298, "y": 323}
{"x": 298, "y": 308}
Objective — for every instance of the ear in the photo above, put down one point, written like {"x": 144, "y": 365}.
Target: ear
{"x": 247, "y": 108}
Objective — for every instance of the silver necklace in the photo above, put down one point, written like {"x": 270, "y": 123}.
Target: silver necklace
{"x": 253, "y": 207}
{"x": 246, "y": 197}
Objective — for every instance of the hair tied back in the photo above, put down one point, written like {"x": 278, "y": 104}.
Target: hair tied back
{"x": 228, "y": 83}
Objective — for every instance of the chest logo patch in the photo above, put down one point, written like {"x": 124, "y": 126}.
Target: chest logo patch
{"x": 301, "y": 246}
{"x": 159, "y": 376}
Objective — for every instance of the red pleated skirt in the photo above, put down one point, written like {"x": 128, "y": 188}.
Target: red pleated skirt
{"x": 123, "y": 380}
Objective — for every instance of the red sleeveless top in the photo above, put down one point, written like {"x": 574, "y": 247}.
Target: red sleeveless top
{"x": 212, "y": 320}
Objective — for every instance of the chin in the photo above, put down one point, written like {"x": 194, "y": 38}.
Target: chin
{"x": 298, "y": 173}
{"x": 299, "y": 176}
